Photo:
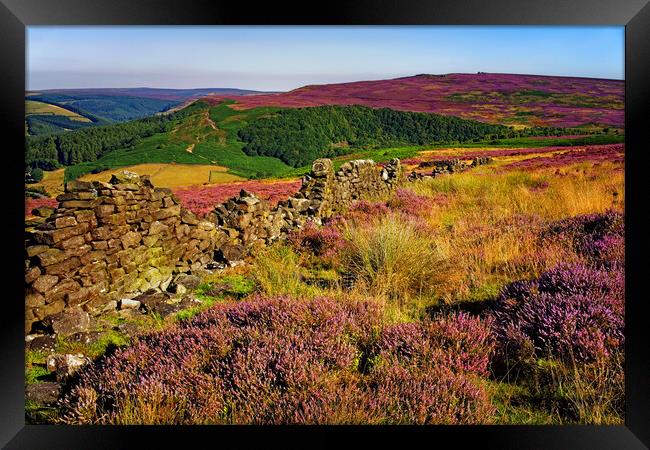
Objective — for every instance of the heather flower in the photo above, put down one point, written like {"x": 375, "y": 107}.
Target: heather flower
{"x": 325, "y": 241}
{"x": 364, "y": 210}
{"x": 570, "y": 311}
{"x": 598, "y": 237}
{"x": 281, "y": 361}
{"x": 484, "y": 97}
{"x": 564, "y": 156}
{"x": 408, "y": 202}
{"x": 202, "y": 199}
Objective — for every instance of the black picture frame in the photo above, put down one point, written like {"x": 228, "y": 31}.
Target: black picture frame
{"x": 15, "y": 15}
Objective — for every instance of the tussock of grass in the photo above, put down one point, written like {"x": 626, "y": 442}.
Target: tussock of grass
{"x": 391, "y": 258}
{"x": 277, "y": 271}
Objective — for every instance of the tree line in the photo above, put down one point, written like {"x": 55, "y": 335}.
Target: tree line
{"x": 298, "y": 136}
{"x": 89, "y": 144}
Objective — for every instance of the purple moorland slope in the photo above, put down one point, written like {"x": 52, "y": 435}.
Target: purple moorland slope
{"x": 497, "y": 98}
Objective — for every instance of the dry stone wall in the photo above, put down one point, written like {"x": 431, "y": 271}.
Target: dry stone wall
{"x": 447, "y": 167}
{"x": 108, "y": 241}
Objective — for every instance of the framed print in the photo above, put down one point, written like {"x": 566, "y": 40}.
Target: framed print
{"x": 376, "y": 220}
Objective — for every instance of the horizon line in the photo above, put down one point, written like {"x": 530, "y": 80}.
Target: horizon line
{"x": 325, "y": 84}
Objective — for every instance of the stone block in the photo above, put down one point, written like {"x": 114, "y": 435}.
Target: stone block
{"x": 150, "y": 241}
{"x": 64, "y": 286}
{"x": 80, "y": 195}
{"x": 116, "y": 201}
{"x": 189, "y": 218}
{"x": 34, "y": 300}
{"x": 78, "y": 251}
{"x": 115, "y": 243}
{"x": 77, "y": 185}
{"x": 65, "y": 221}
{"x": 125, "y": 177}
{"x": 104, "y": 210}
{"x": 101, "y": 233}
{"x": 157, "y": 228}
{"x": 51, "y": 256}
{"x": 34, "y": 250}
{"x": 81, "y": 204}
{"x": 43, "y": 283}
{"x": 131, "y": 239}
{"x": 167, "y": 212}
{"x": 31, "y": 274}
{"x": 73, "y": 242}
{"x": 63, "y": 268}
{"x": 127, "y": 187}
{"x": 92, "y": 256}
{"x": 113, "y": 219}
{"x": 116, "y": 274}
{"x": 99, "y": 245}
{"x": 78, "y": 297}
{"x": 70, "y": 321}
{"x": 49, "y": 309}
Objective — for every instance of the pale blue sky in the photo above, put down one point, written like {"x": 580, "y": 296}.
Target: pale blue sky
{"x": 283, "y": 58}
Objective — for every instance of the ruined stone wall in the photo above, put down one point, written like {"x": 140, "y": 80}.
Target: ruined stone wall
{"x": 107, "y": 241}
{"x": 247, "y": 220}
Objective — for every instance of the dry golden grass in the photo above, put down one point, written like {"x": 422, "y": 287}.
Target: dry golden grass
{"x": 277, "y": 271}
{"x": 482, "y": 231}
{"x": 173, "y": 175}
{"x": 490, "y": 219}
{"x": 34, "y": 107}
{"x": 52, "y": 182}
{"x": 390, "y": 258}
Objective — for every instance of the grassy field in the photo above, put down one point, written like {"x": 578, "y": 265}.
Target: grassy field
{"x": 34, "y": 107}
{"x": 385, "y": 154}
{"x": 211, "y": 137}
{"x": 221, "y": 147}
{"x": 52, "y": 182}
{"x": 173, "y": 175}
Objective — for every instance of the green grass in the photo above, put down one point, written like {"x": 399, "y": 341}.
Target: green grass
{"x": 38, "y": 414}
{"x": 110, "y": 339}
{"x": 211, "y": 147}
{"x": 223, "y": 147}
{"x": 35, "y": 374}
{"x": 515, "y": 405}
{"x": 35, "y": 370}
{"x": 218, "y": 288}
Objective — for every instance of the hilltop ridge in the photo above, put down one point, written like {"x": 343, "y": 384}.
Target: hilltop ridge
{"x": 508, "y": 99}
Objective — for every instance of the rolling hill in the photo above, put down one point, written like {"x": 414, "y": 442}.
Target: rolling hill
{"x": 518, "y": 100}
{"x": 103, "y": 106}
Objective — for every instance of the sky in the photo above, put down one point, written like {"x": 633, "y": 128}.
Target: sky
{"x": 281, "y": 58}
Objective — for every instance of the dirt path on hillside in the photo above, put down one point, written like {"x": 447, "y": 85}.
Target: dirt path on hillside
{"x": 210, "y": 121}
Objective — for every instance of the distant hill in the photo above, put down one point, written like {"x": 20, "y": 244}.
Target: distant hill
{"x": 103, "y": 106}
{"x": 155, "y": 93}
{"x": 508, "y": 99}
